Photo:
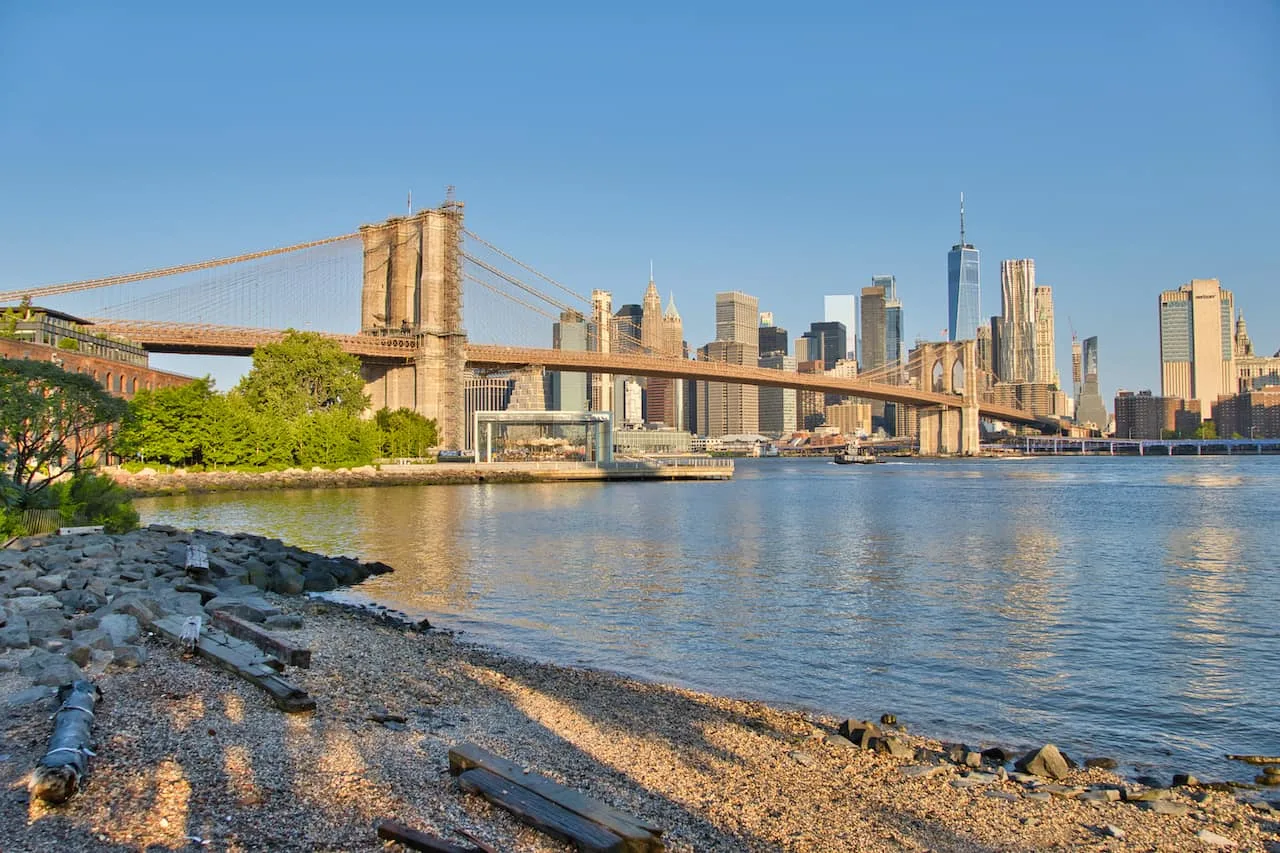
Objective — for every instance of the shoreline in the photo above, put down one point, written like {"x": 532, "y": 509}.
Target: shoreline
{"x": 188, "y": 750}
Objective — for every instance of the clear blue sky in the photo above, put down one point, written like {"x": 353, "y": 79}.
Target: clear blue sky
{"x": 789, "y": 152}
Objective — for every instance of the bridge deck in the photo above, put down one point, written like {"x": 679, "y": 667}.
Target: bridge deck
{"x": 224, "y": 340}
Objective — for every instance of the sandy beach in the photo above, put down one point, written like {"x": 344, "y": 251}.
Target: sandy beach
{"x": 193, "y": 758}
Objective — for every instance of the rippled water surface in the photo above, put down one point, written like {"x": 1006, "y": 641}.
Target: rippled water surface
{"x": 1124, "y": 607}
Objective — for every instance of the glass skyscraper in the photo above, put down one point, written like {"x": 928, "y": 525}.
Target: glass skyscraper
{"x": 964, "y": 288}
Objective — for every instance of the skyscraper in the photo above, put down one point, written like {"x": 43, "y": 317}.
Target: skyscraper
{"x": 1077, "y": 368}
{"x": 665, "y": 400}
{"x": 1196, "y": 346}
{"x": 1017, "y": 309}
{"x": 778, "y": 405}
{"x": 773, "y": 339}
{"x": 894, "y": 343}
{"x": 651, "y": 320}
{"x": 964, "y": 287}
{"x": 1089, "y": 408}
{"x": 569, "y": 390}
{"x": 873, "y": 328}
{"x": 626, "y": 328}
{"x": 601, "y": 341}
{"x": 832, "y": 340}
{"x": 842, "y": 308}
{"x": 1046, "y": 367}
{"x": 733, "y": 409}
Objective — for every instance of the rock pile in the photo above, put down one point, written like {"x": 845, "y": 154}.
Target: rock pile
{"x": 79, "y": 603}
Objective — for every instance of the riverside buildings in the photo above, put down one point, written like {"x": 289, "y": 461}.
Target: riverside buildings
{"x": 964, "y": 287}
{"x": 1196, "y": 346}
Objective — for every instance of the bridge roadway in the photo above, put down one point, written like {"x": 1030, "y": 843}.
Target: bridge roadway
{"x": 228, "y": 340}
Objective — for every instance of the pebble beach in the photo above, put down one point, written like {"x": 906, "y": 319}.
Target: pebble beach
{"x": 191, "y": 757}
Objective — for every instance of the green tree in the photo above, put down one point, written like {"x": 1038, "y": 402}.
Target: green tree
{"x": 302, "y": 374}
{"x": 52, "y": 422}
{"x": 405, "y": 433}
{"x": 1207, "y": 429}
{"x": 89, "y": 498}
{"x": 168, "y": 424}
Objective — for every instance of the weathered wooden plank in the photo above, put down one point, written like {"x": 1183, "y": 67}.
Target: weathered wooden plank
{"x": 390, "y": 830}
{"x": 538, "y": 811}
{"x": 277, "y": 647}
{"x": 242, "y": 659}
{"x": 640, "y": 837}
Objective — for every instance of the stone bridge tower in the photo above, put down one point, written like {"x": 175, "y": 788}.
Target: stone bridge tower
{"x": 413, "y": 291}
{"x": 948, "y": 367}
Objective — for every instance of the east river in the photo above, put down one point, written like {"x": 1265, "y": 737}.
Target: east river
{"x": 1114, "y": 606}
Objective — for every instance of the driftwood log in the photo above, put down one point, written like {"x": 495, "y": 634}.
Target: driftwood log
{"x": 1255, "y": 759}
{"x": 57, "y": 775}
{"x": 242, "y": 659}
{"x": 390, "y": 830}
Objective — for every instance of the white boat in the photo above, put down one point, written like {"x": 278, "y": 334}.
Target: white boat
{"x": 857, "y": 456}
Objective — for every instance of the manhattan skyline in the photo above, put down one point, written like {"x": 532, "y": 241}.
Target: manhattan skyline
{"x": 785, "y": 158}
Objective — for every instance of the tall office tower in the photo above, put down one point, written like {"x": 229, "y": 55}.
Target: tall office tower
{"x": 632, "y": 402}
{"x": 810, "y": 405}
{"x": 665, "y": 400}
{"x": 773, "y": 339}
{"x": 1243, "y": 346}
{"x": 843, "y": 308}
{"x": 1017, "y": 309}
{"x": 651, "y": 320}
{"x": 832, "y": 340}
{"x": 873, "y": 328}
{"x": 736, "y": 318}
{"x": 626, "y": 328}
{"x": 964, "y": 287}
{"x": 1196, "y": 347}
{"x": 808, "y": 348}
{"x": 895, "y": 346}
{"x": 766, "y": 318}
{"x": 569, "y": 390}
{"x": 602, "y": 341}
{"x": 734, "y": 409}
{"x": 778, "y": 405}
{"x": 1089, "y": 407}
{"x": 1046, "y": 365}
{"x": 984, "y": 348}
{"x": 1077, "y": 375}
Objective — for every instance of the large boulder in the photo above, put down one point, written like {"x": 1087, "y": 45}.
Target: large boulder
{"x": 123, "y": 628}
{"x": 1046, "y": 761}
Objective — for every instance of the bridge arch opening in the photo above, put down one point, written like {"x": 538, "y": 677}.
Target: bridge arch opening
{"x": 938, "y": 375}
{"x": 957, "y": 376}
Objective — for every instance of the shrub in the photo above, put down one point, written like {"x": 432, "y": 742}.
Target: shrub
{"x": 95, "y": 499}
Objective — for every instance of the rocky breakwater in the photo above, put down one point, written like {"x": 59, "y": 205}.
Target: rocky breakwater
{"x": 149, "y": 482}
{"x": 72, "y": 607}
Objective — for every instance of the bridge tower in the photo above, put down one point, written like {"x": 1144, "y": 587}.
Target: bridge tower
{"x": 413, "y": 290}
{"x": 949, "y": 367}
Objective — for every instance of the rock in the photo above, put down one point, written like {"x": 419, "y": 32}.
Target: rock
{"x": 995, "y": 755}
{"x": 251, "y": 610}
{"x": 80, "y": 654}
{"x": 859, "y": 732}
{"x": 1001, "y": 795}
{"x": 129, "y": 657}
{"x": 922, "y": 771}
{"x": 288, "y": 581}
{"x": 1046, "y": 761}
{"x": 318, "y": 581}
{"x": 99, "y": 549}
{"x": 1184, "y": 780}
{"x": 29, "y": 603}
{"x": 48, "y": 583}
{"x": 58, "y": 672}
{"x": 1101, "y": 795}
{"x": 94, "y": 638}
{"x": 1213, "y": 839}
{"x": 121, "y": 627}
{"x": 839, "y": 742}
{"x": 285, "y": 621}
{"x": 1062, "y": 792}
{"x": 47, "y": 623}
{"x": 80, "y": 600}
{"x": 1101, "y": 762}
{"x": 804, "y": 759}
{"x": 140, "y": 605}
{"x": 14, "y": 635}
{"x": 972, "y": 759}
{"x": 1149, "y": 796}
{"x": 888, "y": 720}
{"x": 1165, "y": 807}
{"x": 1113, "y": 831}
{"x": 1042, "y": 796}
{"x": 30, "y": 696}
{"x": 893, "y": 746}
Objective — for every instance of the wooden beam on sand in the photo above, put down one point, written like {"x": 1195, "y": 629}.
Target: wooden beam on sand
{"x": 636, "y": 835}
{"x": 390, "y": 830}
{"x": 242, "y": 659}
{"x": 540, "y": 812}
{"x": 277, "y": 647}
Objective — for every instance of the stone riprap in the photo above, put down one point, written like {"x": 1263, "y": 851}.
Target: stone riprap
{"x": 73, "y": 606}
{"x": 150, "y": 482}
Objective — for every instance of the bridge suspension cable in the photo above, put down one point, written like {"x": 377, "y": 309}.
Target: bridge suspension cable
{"x": 521, "y": 263}
{"x": 510, "y": 279}
{"x": 512, "y": 297}
{"x": 129, "y": 278}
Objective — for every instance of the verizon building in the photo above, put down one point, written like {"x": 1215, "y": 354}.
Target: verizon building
{"x": 1196, "y": 346}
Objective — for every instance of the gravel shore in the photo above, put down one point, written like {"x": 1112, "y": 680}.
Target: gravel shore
{"x": 191, "y": 757}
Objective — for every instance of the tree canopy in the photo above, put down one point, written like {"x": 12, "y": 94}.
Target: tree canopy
{"x": 51, "y": 421}
{"x": 302, "y": 375}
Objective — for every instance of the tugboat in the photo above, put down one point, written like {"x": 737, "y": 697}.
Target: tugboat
{"x": 857, "y": 455}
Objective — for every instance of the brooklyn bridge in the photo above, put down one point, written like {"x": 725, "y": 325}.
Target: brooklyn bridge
{"x": 415, "y": 274}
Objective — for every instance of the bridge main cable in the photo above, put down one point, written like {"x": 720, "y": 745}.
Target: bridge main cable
{"x": 129, "y": 278}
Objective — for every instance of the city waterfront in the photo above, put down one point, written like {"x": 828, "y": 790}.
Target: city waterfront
{"x": 1115, "y": 606}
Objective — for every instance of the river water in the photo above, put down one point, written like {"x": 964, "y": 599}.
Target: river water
{"x": 1114, "y": 606}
